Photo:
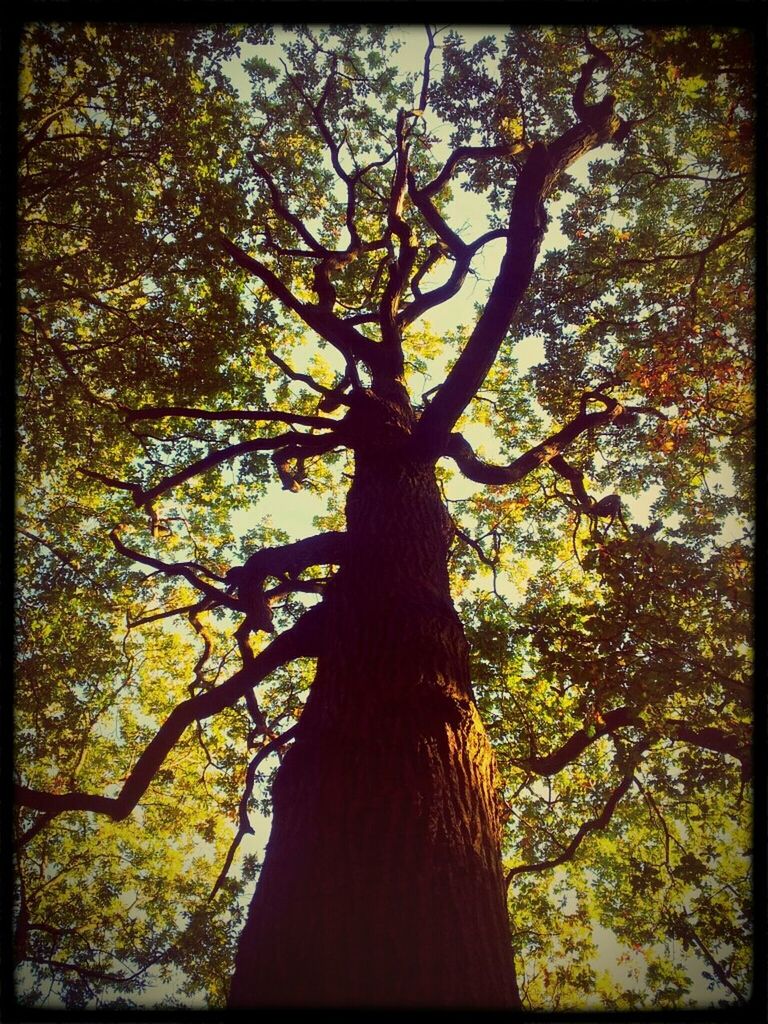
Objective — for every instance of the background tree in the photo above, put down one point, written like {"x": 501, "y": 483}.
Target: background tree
{"x": 226, "y": 280}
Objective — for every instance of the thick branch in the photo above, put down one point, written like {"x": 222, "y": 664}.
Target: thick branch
{"x": 543, "y": 167}
{"x": 711, "y": 738}
{"x": 460, "y": 450}
{"x": 335, "y": 331}
{"x": 301, "y": 640}
{"x": 598, "y": 59}
{"x": 309, "y": 445}
{"x": 290, "y": 559}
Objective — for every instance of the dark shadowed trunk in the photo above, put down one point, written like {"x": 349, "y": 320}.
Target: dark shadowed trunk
{"x": 382, "y": 882}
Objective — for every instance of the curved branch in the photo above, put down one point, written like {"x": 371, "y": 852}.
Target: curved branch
{"x": 233, "y": 451}
{"x": 693, "y": 254}
{"x": 301, "y": 640}
{"x": 460, "y": 450}
{"x": 507, "y": 150}
{"x": 442, "y": 293}
{"x": 337, "y": 332}
{"x": 309, "y": 445}
{"x": 290, "y": 559}
{"x": 143, "y": 497}
{"x": 174, "y": 569}
{"x": 294, "y": 375}
{"x": 708, "y": 737}
{"x": 591, "y": 825}
{"x": 527, "y": 223}
{"x": 244, "y": 824}
{"x": 599, "y": 58}
{"x": 449, "y": 288}
{"x": 575, "y": 745}
{"x": 435, "y": 220}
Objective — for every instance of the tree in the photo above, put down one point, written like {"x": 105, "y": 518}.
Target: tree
{"x": 507, "y": 680}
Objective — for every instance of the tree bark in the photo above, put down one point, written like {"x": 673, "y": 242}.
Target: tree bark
{"x": 382, "y": 883}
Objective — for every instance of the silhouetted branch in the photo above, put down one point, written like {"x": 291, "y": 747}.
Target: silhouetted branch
{"x": 280, "y": 207}
{"x": 337, "y": 332}
{"x": 290, "y": 559}
{"x": 301, "y": 640}
{"x": 244, "y": 824}
{"x": 707, "y": 737}
{"x": 268, "y": 415}
{"x": 460, "y": 450}
{"x": 213, "y": 594}
{"x": 233, "y": 451}
{"x": 543, "y": 167}
{"x": 591, "y": 825}
{"x": 507, "y": 150}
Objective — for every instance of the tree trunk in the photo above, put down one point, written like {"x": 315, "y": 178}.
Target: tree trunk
{"x": 382, "y": 883}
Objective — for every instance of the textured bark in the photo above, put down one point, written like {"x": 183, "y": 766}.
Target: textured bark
{"x": 382, "y": 883}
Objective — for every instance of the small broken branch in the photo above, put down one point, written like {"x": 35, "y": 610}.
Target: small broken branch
{"x": 244, "y": 823}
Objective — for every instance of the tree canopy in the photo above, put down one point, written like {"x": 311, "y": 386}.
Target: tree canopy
{"x": 219, "y": 239}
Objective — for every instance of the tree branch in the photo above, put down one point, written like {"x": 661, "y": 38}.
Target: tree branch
{"x": 290, "y": 559}
{"x": 527, "y": 223}
{"x": 244, "y": 823}
{"x": 234, "y": 451}
{"x": 507, "y": 150}
{"x": 337, "y": 332}
{"x": 219, "y": 597}
{"x": 694, "y": 254}
{"x": 289, "y": 372}
{"x": 591, "y": 825}
{"x": 460, "y": 450}
{"x": 708, "y": 737}
{"x": 314, "y": 445}
{"x": 148, "y": 412}
{"x": 301, "y": 640}
{"x": 399, "y": 267}
{"x": 281, "y": 209}
{"x": 424, "y": 94}
{"x": 575, "y": 745}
